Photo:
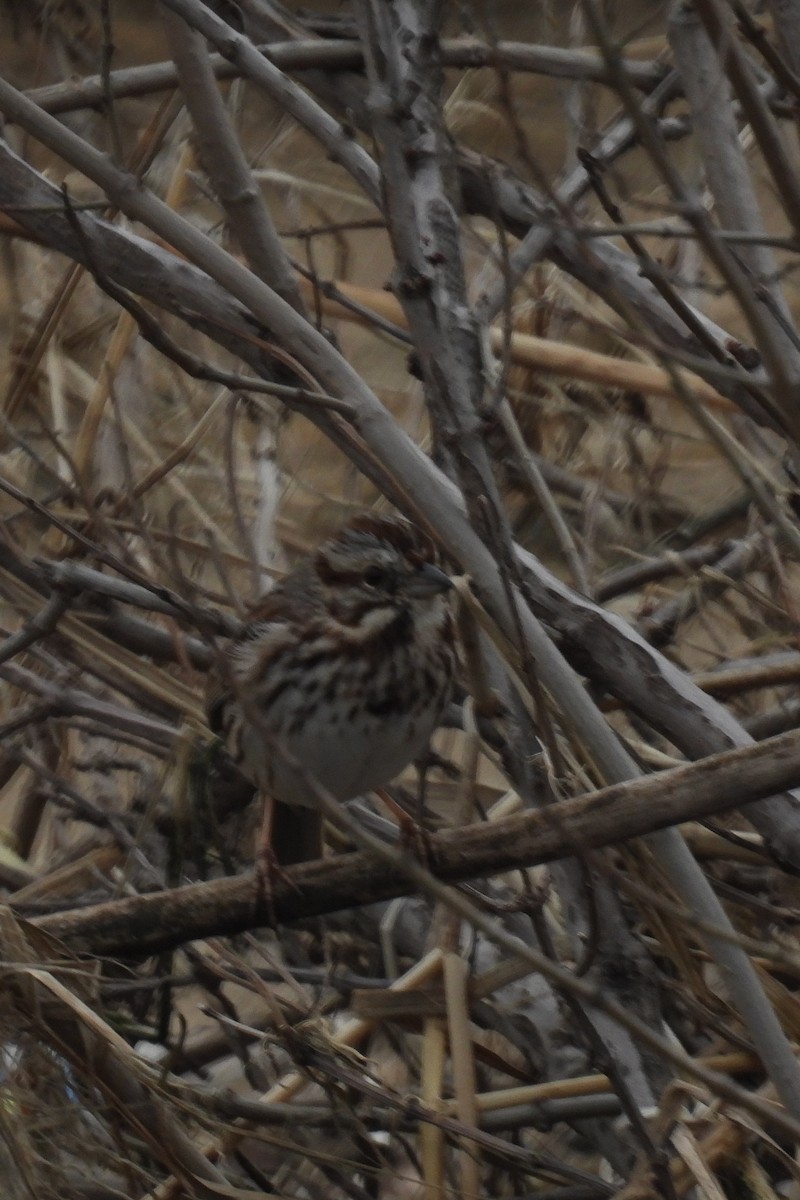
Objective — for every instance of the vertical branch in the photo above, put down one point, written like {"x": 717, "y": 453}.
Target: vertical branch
{"x": 709, "y": 94}
{"x": 420, "y": 198}
{"x": 224, "y": 162}
{"x": 337, "y": 140}
{"x": 754, "y": 107}
{"x": 782, "y": 378}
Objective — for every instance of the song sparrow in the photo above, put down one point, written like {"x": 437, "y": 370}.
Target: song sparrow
{"x": 347, "y": 663}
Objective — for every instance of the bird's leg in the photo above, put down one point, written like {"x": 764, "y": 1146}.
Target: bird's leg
{"x": 422, "y": 765}
{"x": 267, "y": 866}
{"x": 413, "y": 835}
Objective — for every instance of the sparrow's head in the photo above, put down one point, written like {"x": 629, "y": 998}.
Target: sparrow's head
{"x": 377, "y": 570}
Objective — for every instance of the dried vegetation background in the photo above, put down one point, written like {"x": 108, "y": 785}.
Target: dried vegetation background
{"x": 529, "y": 274}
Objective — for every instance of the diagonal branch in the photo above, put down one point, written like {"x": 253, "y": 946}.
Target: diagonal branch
{"x": 428, "y": 497}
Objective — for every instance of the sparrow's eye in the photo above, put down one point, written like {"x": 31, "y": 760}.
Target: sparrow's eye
{"x": 374, "y": 576}
{"x": 381, "y": 577}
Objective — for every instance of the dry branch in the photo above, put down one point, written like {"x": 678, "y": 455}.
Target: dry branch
{"x": 563, "y": 307}
{"x": 146, "y": 924}
{"x": 434, "y": 503}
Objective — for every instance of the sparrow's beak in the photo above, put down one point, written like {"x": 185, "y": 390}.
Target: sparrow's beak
{"x": 427, "y": 581}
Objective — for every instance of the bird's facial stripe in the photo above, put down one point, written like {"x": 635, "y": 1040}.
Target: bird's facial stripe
{"x": 341, "y": 567}
{"x": 360, "y": 623}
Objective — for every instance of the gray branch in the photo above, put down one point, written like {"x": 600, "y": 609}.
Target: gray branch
{"x": 418, "y": 487}
{"x": 711, "y": 99}
{"x": 224, "y": 162}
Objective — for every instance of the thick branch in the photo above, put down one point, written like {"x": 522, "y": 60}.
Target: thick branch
{"x": 225, "y": 163}
{"x": 333, "y": 55}
{"x": 147, "y": 924}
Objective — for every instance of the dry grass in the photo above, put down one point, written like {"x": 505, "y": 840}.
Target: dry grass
{"x": 405, "y": 1048}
